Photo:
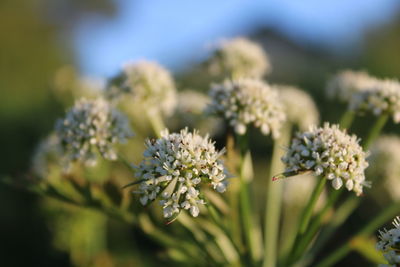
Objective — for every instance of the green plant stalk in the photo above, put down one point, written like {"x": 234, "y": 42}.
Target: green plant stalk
{"x": 386, "y": 215}
{"x": 274, "y": 200}
{"x": 376, "y": 130}
{"x": 308, "y": 236}
{"x": 306, "y": 216}
{"x": 233, "y": 192}
{"x": 352, "y": 202}
{"x": 340, "y": 216}
{"x": 156, "y": 122}
{"x": 347, "y": 119}
{"x": 250, "y": 229}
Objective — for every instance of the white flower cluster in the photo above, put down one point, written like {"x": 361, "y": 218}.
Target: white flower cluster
{"x": 239, "y": 57}
{"x": 345, "y": 83}
{"x": 89, "y": 127}
{"x": 389, "y": 243}
{"x": 300, "y": 108}
{"x": 382, "y": 97}
{"x": 385, "y": 163}
{"x": 150, "y": 85}
{"x": 331, "y": 153}
{"x": 174, "y": 168}
{"x": 48, "y": 152}
{"x": 248, "y": 101}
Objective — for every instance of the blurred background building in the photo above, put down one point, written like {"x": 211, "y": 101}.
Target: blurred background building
{"x": 307, "y": 41}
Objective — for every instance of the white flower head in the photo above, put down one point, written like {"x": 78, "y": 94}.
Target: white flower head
{"x": 174, "y": 169}
{"x": 248, "y": 101}
{"x": 91, "y": 127}
{"x": 47, "y": 152}
{"x": 389, "y": 243}
{"x": 239, "y": 57}
{"x": 345, "y": 83}
{"x": 385, "y": 163}
{"x": 331, "y": 153}
{"x": 300, "y": 109}
{"x": 382, "y": 97}
{"x": 150, "y": 85}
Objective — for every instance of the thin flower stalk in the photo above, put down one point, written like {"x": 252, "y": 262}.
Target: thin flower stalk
{"x": 250, "y": 228}
{"x": 274, "y": 199}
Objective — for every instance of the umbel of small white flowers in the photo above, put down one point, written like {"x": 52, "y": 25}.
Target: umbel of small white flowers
{"x": 331, "y": 153}
{"x": 248, "y": 101}
{"x": 383, "y": 96}
{"x": 347, "y": 82}
{"x": 149, "y": 84}
{"x": 239, "y": 57}
{"x": 389, "y": 243}
{"x": 91, "y": 127}
{"x": 174, "y": 169}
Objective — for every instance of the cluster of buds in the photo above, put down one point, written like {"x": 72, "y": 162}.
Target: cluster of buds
{"x": 331, "y": 153}
{"x": 174, "y": 169}
{"x": 91, "y": 127}
{"x": 389, "y": 244}
{"x": 345, "y": 83}
{"x": 382, "y": 97}
{"x": 248, "y": 101}
{"x": 239, "y": 57}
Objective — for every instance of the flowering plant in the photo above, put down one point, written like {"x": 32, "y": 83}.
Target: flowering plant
{"x": 210, "y": 191}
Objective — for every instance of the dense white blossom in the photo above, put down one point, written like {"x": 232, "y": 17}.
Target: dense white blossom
{"x": 174, "y": 169}
{"x": 248, "y": 101}
{"x": 382, "y": 97}
{"x": 345, "y": 83}
{"x": 300, "y": 108}
{"x": 385, "y": 164}
{"x": 239, "y": 57}
{"x": 389, "y": 243}
{"x": 330, "y": 153}
{"x": 149, "y": 84}
{"x": 47, "y": 152}
{"x": 91, "y": 127}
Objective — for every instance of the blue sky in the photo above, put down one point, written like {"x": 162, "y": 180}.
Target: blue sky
{"x": 174, "y": 32}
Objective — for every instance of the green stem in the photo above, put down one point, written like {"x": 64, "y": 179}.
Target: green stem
{"x": 340, "y": 216}
{"x": 274, "y": 200}
{"x": 310, "y": 206}
{"x": 306, "y": 216}
{"x": 250, "y": 229}
{"x": 386, "y": 215}
{"x": 308, "y": 236}
{"x": 156, "y": 122}
{"x": 347, "y": 119}
{"x": 376, "y": 130}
